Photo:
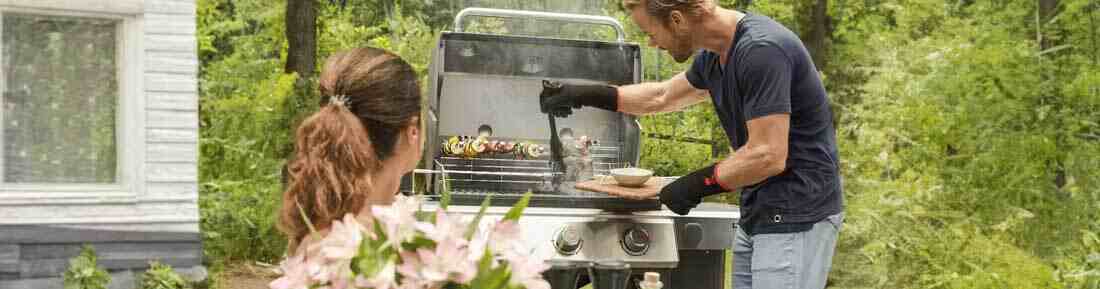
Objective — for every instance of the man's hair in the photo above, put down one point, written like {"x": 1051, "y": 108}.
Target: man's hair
{"x": 661, "y": 9}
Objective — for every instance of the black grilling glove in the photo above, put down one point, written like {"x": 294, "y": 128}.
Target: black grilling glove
{"x": 688, "y": 191}
{"x": 561, "y": 99}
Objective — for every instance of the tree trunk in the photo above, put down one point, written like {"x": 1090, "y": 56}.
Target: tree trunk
{"x": 301, "y": 56}
{"x": 1047, "y": 10}
{"x": 817, "y": 34}
{"x": 301, "y": 36}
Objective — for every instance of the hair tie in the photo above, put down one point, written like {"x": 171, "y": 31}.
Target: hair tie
{"x": 339, "y": 100}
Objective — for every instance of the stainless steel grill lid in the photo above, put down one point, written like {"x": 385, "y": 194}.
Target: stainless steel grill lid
{"x": 482, "y": 83}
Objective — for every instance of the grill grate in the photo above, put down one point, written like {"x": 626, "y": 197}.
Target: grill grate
{"x": 505, "y": 181}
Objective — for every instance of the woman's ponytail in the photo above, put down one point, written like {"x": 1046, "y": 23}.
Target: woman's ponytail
{"x": 371, "y": 97}
{"x": 330, "y": 171}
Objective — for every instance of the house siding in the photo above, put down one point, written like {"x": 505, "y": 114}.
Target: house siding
{"x": 160, "y": 221}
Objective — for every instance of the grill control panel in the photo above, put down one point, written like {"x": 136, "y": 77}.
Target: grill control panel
{"x": 643, "y": 243}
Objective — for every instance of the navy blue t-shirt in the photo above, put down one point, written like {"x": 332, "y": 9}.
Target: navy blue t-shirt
{"x": 769, "y": 71}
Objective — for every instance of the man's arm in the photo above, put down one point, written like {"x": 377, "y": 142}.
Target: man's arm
{"x": 767, "y": 107}
{"x": 656, "y": 97}
{"x": 764, "y": 156}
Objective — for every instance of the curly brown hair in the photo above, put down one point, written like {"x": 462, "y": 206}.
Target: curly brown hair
{"x": 369, "y": 97}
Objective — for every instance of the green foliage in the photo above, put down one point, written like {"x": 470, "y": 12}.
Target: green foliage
{"x": 474, "y": 224}
{"x": 517, "y": 209}
{"x": 964, "y": 148}
{"x": 244, "y": 139}
{"x": 488, "y": 276}
{"x": 246, "y": 115}
{"x": 84, "y": 271}
{"x": 161, "y": 276}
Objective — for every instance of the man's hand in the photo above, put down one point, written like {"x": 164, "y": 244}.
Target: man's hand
{"x": 688, "y": 191}
{"x": 561, "y": 99}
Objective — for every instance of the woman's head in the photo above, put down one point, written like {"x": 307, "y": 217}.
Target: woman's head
{"x": 354, "y": 150}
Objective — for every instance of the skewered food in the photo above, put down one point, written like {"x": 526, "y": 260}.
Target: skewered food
{"x": 456, "y": 146}
{"x": 471, "y": 147}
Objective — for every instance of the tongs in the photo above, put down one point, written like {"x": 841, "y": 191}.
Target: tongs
{"x": 556, "y": 148}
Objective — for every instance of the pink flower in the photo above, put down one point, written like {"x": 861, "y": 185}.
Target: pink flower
{"x": 295, "y": 275}
{"x": 527, "y": 271}
{"x": 342, "y": 242}
{"x": 453, "y": 258}
{"x": 479, "y": 243}
{"x": 410, "y": 266}
{"x": 446, "y": 227}
{"x": 398, "y": 219}
{"x": 505, "y": 237}
{"x": 447, "y": 262}
{"x": 386, "y": 279}
{"x": 330, "y": 259}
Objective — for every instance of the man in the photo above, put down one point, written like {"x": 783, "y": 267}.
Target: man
{"x": 774, "y": 109}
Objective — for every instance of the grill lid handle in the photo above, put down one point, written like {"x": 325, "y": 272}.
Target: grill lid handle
{"x": 522, "y": 14}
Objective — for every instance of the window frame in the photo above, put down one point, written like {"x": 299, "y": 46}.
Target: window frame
{"x": 129, "y": 120}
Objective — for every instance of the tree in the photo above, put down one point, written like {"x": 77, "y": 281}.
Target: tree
{"x": 817, "y": 32}
{"x": 1047, "y": 10}
{"x": 301, "y": 36}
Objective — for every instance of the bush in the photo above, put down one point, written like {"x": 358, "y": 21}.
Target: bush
{"x": 245, "y": 139}
{"x": 161, "y": 276}
{"x": 85, "y": 273}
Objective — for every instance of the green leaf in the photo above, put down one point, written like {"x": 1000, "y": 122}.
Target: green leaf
{"x": 445, "y": 195}
{"x": 305, "y": 218}
{"x": 499, "y": 276}
{"x": 484, "y": 267}
{"x": 379, "y": 232}
{"x": 417, "y": 243}
{"x": 517, "y": 209}
{"x": 480, "y": 213}
{"x": 422, "y": 216}
{"x": 83, "y": 273}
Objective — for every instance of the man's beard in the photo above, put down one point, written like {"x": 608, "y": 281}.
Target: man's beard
{"x": 682, "y": 51}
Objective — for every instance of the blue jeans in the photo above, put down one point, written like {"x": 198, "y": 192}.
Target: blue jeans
{"x": 785, "y": 261}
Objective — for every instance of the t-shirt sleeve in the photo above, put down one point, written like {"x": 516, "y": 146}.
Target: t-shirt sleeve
{"x": 698, "y": 70}
{"x": 767, "y": 75}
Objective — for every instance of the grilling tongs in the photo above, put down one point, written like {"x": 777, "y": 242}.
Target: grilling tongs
{"x": 556, "y": 148}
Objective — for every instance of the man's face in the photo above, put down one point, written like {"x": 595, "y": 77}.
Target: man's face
{"x": 666, "y": 37}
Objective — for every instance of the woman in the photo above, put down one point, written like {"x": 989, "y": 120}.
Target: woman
{"x": 352, "y": 153}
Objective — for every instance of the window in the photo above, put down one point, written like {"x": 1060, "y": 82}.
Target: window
{"x": 60, "y": 98}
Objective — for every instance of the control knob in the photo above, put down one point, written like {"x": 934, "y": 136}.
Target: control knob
{"x": 636, "y": 241}
{"x": 568, "y": 241}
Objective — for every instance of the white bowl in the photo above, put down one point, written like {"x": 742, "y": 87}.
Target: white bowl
{"x": 631, "y": 177}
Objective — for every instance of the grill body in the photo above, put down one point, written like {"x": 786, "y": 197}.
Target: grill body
{"x": 480, "y": 83}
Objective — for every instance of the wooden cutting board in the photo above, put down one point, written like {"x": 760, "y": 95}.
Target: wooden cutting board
{"x": 651, "y": 187}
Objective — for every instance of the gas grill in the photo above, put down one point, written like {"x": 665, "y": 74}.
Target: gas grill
{"x": 488, "y": 139}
